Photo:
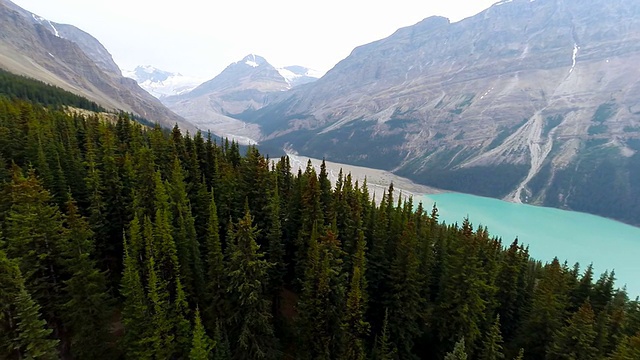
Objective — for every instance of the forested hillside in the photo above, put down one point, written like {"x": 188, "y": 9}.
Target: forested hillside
{"x": 20, "y": 87}
{"x": 122, "y": 241}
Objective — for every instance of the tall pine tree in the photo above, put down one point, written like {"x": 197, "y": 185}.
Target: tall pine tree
{"x": 250, "y": 321}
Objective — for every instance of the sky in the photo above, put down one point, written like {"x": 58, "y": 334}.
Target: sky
{"x": 200, "y": 38}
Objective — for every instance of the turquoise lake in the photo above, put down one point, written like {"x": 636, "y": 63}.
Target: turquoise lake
{"x": 571, "y": 236}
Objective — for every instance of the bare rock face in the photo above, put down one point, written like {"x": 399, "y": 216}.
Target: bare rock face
{"x": 90, "y": 46}
{"x": 67, "y": 57}
{"x": 531, "y": 100}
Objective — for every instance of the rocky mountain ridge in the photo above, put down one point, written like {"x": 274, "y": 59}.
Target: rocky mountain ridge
{"x": 67, "y": 57}
{"x": 530, "y": 101}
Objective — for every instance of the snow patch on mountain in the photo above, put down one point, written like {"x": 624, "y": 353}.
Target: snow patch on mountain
{"x": 298, "y": 75}
{"x": 44, "y": 21}
{"x": 160, "y": 83}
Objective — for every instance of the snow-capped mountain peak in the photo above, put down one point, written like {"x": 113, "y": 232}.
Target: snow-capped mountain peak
{"x": 161, "y": 83}
{"x": 253, "y": 60}
{"x": 298, "y": 75}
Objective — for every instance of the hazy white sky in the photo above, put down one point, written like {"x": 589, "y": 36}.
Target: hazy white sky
{"x": 200, "y": 38}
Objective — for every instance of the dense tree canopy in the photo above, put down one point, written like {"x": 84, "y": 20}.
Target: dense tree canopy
{"x": 119, "y": 240}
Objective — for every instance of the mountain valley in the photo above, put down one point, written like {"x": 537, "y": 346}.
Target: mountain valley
{"x": 529, "y": 101}
{"x": 278, "y": 213}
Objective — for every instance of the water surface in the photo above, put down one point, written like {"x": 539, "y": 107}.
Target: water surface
{"x": 569, "y": 235}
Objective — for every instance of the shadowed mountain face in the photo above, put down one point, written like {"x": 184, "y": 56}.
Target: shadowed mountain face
{"x": 531, "y": 100}
{"x": 67, "y": 57}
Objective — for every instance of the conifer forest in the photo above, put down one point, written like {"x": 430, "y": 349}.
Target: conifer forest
{"x": 125, "y": 241}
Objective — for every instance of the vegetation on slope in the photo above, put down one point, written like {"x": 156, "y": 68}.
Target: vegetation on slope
{"x": 120, "y": 241}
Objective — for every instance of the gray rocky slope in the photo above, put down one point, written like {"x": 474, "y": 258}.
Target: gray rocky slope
{"x": 531, "y": 100}
{"x": 68, "y": 57}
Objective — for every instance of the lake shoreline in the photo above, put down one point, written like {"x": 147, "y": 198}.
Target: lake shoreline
{"x": 569, "y": 235}
{"x": 377, "y": 180}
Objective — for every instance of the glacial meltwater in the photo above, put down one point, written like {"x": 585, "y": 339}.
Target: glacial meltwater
{"x": 568, "y": 235}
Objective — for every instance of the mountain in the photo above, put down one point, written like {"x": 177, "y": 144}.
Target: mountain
{"x": 245, "y": 84}
{"x": 248, "y": 84}
{"x": 67, "y": 57}
{"x": 298, "y": 75}
{"x": 160, "y": 83}
{"x": 532, "y": 101}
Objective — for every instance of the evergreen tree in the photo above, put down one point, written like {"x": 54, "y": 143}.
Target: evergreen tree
{"x": 250, "y": 308}
{"x": 254, "y": 182}
{"x": 135, "y": 310}
{"x": 310, "y": 215}
{"x": 161, "y": 337}
{"x": 520, "y": 355}
{"x": 603, "y": 291}
{"x": 144, "y": 183}
{"x": 355, "y": 327}
{"x": 184, "y": 233}
{"x": 23, "y": 333}
{"x": 576, "y": 339}
{"x": 321, "y": 300}
{"x": 379, "y": 260}
{"x": 628, "y": 349}
{"x": 116, "y": 195}
{"x": 163, "y": 245}
{"x": 180, "y": 314}
{"x": 547, "y": 312}
{"x": 384, "y": 349}
{"x": 492, "y": 347}
{"x": 582, "y": 291}
{"x": 275, "y": 247}
{"x": 87, "y": 293}
{"x": 458, "y": 352}
{"x": 34, "y": 237}
{"x": 31, "y": 331}
{"x": 509, "y": 293}
{"x": 463, "y": 303}
{"x": 201, "y": 345}
{"x": 216, "y": 286}
{"x": 405, "y": 303}
{"x": 5, "y": 176}
{"x": 222, "y": 350}
{"x": 326, "y": 199}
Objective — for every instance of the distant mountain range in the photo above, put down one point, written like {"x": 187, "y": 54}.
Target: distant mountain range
{"x": 160, "y": 83}
{"x": 245, "y": 85}
{"x": 530, "y": 101}
{"x": 298, "y": 75}
{"x": 68, "y": 57}
{"x": 534, "y": 101}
